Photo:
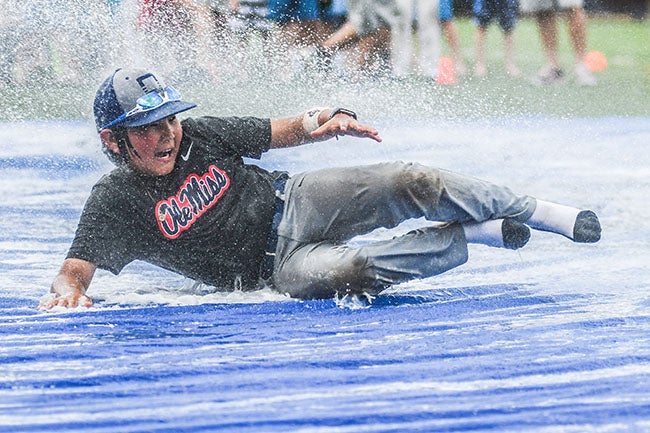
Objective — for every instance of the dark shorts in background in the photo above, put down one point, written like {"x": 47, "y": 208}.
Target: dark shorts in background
{"x": 284, "y": 11}
{"x": 505, "y": 11}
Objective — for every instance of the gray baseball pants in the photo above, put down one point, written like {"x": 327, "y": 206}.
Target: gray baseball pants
{"x": 325, "y": 208}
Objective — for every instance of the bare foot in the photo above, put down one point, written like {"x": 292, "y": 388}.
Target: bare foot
{"x": 513, "y": 70}
{"x": 479, "y": 70}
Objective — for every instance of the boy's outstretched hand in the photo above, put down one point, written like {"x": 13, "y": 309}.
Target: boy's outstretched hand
{"x": 342, "y": 124}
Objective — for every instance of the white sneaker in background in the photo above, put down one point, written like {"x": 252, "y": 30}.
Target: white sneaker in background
{"x": 584, "y": 77}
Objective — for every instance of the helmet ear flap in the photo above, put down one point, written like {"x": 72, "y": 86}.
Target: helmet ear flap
{"x": 121, "y": 137}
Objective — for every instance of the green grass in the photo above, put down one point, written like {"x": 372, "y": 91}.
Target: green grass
{"x": 623, "y": 89}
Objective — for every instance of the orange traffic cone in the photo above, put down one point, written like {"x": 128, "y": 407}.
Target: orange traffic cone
{"x": 446, "y": 74}
{"x": 595, "y": 61}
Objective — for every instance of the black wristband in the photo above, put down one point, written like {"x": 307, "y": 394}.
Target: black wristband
{"x": 343, "y": 111}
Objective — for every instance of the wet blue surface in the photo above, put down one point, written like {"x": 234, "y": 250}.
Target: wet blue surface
{"x": 472, "y": 360}
{"x": 553, "y": 338}
{"x": 50, "y": 164}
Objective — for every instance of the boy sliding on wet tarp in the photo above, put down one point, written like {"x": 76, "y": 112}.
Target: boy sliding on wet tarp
{"x": 182, "y": 198}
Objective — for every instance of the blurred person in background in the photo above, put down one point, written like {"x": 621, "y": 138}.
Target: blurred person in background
{"x": 299, "y": 21}
{"x": 369, "y": 26}
{"x": 178, "y": 34}
{"x": 424, "y": 16}
{"x": 505, "y": 11}
{"x": 334, "y": 13}
{"x": 300, "y": 28}
{"x": 247, "y": 44}
{"x": 249, "y": 17}
{"x": 58, "y": 40}
{"x": 450, "y": 33}
{"x": 11, "y": 32}
{"x": 546, "y": 13}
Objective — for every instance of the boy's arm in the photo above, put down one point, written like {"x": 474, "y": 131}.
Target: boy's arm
{"x": 316, "y": 125}
{"x": 69, "y": 287}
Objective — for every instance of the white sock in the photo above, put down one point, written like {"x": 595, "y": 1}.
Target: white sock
{"x": 553, "y": 217}
{"x": 486, "y": 233}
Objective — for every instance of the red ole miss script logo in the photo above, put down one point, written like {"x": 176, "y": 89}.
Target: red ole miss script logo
{"x": 197, "y": 194}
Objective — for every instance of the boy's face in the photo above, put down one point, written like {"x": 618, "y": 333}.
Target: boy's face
{"x": 157, "y": 145}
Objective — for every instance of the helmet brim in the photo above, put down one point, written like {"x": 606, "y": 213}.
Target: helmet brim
{"x": 167, "y": 109}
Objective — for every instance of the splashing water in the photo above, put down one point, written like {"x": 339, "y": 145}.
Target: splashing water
{"x": 55, "y": 55}
{"x": 554, "y": 337}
